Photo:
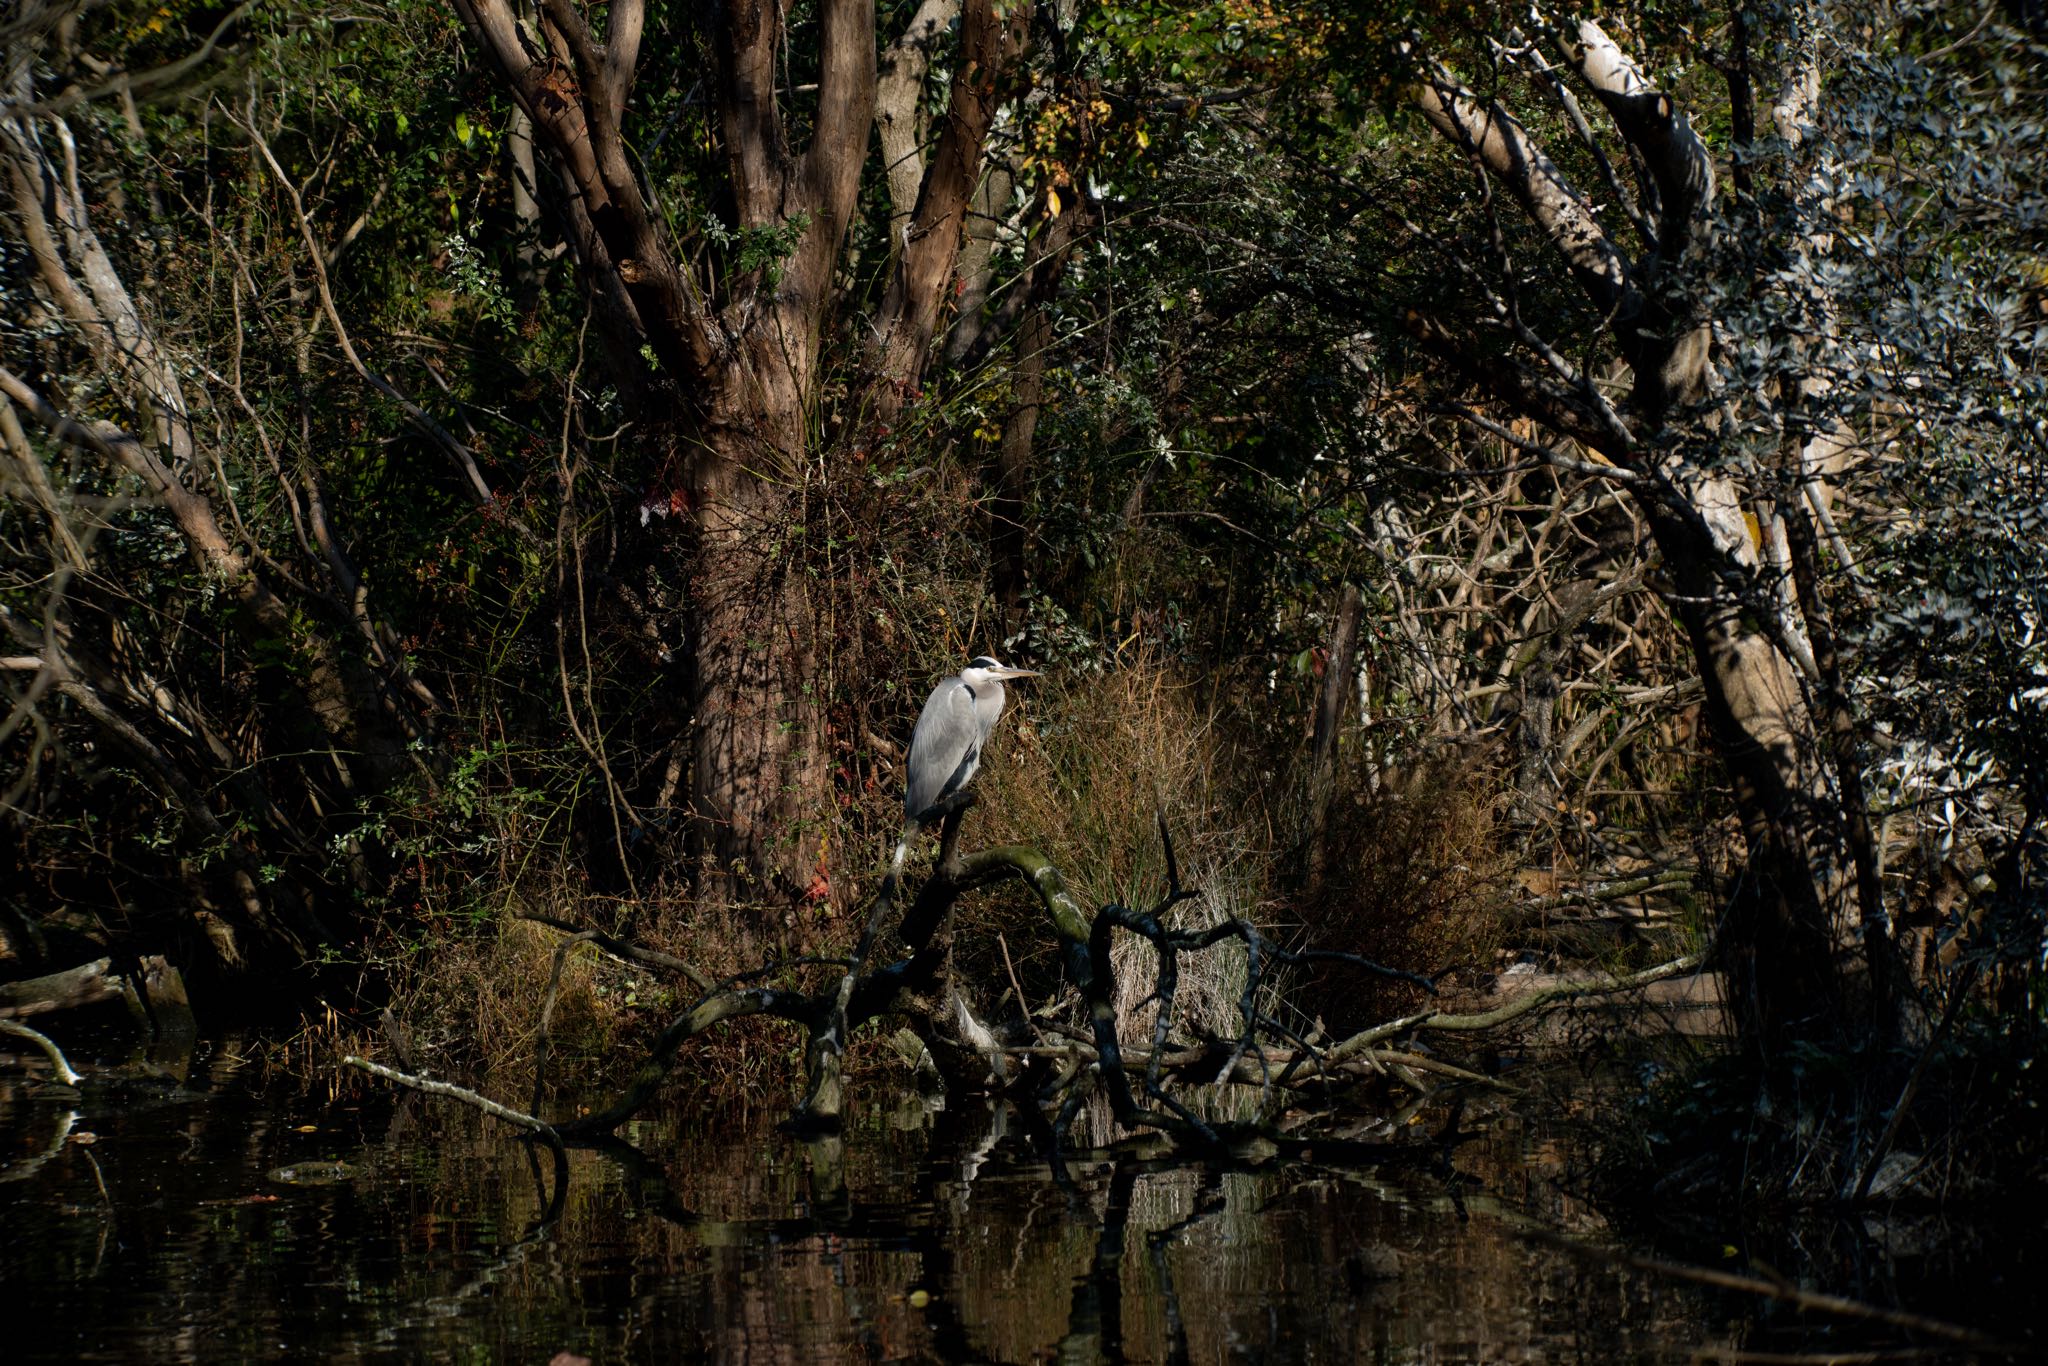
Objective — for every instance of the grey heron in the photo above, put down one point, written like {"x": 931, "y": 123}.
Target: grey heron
{"x": 951, "y": 733}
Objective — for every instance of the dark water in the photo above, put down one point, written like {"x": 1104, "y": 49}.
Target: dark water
{"x": 213, "y": 1218}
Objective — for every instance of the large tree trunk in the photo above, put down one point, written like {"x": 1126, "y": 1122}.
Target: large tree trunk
{"x": 738, "y": 346}
{"x": 758, "y": 771}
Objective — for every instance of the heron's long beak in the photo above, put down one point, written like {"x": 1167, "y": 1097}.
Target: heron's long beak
{"x": 1012, "y": 673}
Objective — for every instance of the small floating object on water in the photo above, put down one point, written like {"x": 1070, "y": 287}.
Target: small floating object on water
{"x": 312, "y": 1173}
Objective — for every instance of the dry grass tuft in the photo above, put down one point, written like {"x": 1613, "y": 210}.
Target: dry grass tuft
{"x": 1415, "y": 880}
{"x": 471, "y": 1007}
{"x": 1081, "y": 770}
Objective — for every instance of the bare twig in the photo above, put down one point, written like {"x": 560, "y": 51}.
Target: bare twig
{"x": 619, "y": 948}
{"x": 463, "y": 458}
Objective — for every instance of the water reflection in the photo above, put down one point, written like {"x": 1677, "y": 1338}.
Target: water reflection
{"x": 428, "y": 1236}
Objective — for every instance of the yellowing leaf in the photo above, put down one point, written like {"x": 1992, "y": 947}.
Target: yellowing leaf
{"x": 1052, "y": 202}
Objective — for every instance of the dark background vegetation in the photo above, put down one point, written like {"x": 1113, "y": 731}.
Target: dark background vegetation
{"x": 365, "y": 583}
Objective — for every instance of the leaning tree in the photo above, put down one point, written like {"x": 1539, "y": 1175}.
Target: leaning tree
{"x": 1729, "y": 466}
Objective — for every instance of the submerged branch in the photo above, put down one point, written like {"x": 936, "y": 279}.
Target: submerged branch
{"x": 48, "y": 1045}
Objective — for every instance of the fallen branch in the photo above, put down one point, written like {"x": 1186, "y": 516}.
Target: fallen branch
{"x": 85, "y": 985}
{"x": 1669, "y": 880}
{"x": 1515, "y": 1009}
{"x": 454, "y": 1092}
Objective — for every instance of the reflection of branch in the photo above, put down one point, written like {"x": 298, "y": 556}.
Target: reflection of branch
{"x": 539, "y": 1128}
{"x": 1778, "y": 1289}
{"x": 28, "y": 1166}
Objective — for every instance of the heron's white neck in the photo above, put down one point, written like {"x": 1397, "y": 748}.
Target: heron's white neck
{"x": 987, "y": 690}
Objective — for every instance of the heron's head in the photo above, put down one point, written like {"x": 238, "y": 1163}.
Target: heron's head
{"x": 983, "y": 669}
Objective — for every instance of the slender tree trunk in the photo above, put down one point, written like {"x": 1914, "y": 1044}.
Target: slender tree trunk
{"x": 1340, "y": 675}
{"x": 1045, "y": 262}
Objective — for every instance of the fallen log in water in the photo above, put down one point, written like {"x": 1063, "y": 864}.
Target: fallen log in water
{"x": 85, "y": 985}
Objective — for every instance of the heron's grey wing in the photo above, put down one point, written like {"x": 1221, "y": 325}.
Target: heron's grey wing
{"x": 946, "y": 738}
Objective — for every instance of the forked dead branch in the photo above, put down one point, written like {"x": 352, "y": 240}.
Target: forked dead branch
{"x": 1063, "y": 1064}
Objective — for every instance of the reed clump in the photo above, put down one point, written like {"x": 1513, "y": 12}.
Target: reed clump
{"x": 1415, "y": 875}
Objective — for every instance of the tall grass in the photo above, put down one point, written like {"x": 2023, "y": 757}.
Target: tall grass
{"x": 1417, "y": 879}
